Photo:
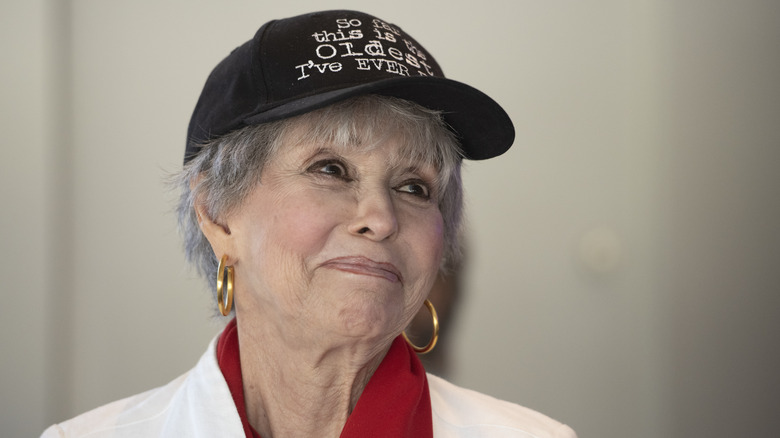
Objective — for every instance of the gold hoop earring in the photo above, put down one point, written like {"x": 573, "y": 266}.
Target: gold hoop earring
{"x": 434, "y": 338}
{"x": 225, "y": 304}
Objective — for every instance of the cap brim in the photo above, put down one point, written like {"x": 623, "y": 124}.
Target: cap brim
{"x": 482, "y": 126}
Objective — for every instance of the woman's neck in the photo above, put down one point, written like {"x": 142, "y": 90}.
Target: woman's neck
{"x": 301, "y": 390}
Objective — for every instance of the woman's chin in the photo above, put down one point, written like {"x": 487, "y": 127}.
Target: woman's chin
{"x": 368, "y": 322}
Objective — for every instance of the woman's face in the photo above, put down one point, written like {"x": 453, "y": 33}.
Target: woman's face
{"x": 337, "y": 243}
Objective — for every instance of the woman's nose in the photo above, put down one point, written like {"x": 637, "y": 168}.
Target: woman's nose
{"x": 375, "y": 217}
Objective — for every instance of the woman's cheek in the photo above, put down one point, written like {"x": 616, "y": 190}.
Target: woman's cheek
{"x": 306, "y": 225}
{"x": 435, "y": 234}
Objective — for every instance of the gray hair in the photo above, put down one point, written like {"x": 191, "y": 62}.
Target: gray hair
{"x": 228, "y": 168}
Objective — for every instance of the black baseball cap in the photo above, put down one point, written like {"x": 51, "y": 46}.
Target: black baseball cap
{"x": 299, "y": 64}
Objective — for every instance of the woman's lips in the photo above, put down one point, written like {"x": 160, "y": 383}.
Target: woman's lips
{"x": 365, "y": 266}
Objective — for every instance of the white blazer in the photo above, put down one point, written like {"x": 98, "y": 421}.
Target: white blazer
{"x": 199, "y": 404}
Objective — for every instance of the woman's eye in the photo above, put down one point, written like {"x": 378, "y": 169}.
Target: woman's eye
{"x": 418, "y": 189}
{"x": 333, "y": 168}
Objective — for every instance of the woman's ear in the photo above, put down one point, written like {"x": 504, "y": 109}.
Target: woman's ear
{"x": 218, "y": 235}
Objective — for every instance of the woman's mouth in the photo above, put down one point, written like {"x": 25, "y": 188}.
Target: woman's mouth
{"x": 365, "y": 266}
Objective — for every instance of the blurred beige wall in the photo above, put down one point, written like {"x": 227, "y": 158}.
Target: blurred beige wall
{"x": 623, "y": 257}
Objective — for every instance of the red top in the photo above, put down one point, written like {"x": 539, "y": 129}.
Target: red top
{"x": 394, "y": 403}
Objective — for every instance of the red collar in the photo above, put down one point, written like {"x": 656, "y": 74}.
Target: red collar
{"x": 394, "y": 403}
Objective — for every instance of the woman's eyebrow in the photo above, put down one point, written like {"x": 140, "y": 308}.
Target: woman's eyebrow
{"x": 426, "y": 170}
{"x": 323, "y": 150}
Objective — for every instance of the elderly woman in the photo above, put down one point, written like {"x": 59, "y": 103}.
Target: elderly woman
{"x": 321, "y": 198}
